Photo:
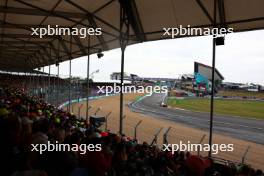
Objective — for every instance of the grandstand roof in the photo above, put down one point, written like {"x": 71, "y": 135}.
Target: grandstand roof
{"x": 208, "y": 71}
{"x": 19, "y": 49}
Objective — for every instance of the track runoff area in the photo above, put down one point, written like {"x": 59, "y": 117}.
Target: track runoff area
{"x": 245, "y": 133}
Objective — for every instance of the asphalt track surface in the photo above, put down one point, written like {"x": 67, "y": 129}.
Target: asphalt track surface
{"x": 248, "y": 129}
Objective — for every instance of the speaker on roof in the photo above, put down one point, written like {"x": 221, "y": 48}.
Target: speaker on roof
{"x": 220, "y": 41}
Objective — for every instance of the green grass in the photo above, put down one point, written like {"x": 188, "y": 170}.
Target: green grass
{"x": 241, "y": 94}
{"x": 243, "y": 108}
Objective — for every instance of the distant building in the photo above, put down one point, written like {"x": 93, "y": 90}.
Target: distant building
{"x": 242, "y": 87}
{"x": 117, "y": 76}
{"x": 261, "y": 88}
{"x": 206, "y": 71}
{"x": 201, "y": 80}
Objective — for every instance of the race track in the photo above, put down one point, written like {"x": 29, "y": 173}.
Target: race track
{"x": 237, "y": 127}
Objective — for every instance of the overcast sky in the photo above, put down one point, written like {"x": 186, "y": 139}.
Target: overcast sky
{"x": 241, "y": 59}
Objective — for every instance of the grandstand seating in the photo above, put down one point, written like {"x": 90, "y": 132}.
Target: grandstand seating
{"x": 25, "y": 120}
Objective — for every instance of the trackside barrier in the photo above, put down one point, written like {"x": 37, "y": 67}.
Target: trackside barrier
{"x": 173, "y": 135}
{"x": 200, "y": 142}
{"x": 106, "y": 119}
{"x": 82, "y": 99}
{"x": 135, "y": 129}
{"x": 165, "y": 135}
{"x": 97, "y": 110}
{"x": 154, "y": 141}
{"x": 79, "y": 110}
{"x": 224, "y": 161}
{"x": 123, "y": 117}
{"x": 245, "y": 154}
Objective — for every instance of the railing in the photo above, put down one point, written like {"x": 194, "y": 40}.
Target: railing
{"x": 158, "y": 134}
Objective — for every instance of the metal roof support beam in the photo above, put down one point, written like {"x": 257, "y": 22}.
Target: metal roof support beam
{"x": 92, "y": 15}
{"x": 31, "y": 63}
{"x": 221, "y": 10}
{"x": 94, "y": 47}
{"x": 228, "y": 23}
{"x": 20, "y": 26}
{"x": 23, "y": 26}
{"x": 11, "y": 66}
{"x": 103, "y": 6}
{"x": 11, "y": 56}
{"x": 37, "y": 12}
{"x": 23, "y": 36}
{"x": 38, "y": 56}
{"x": 23, "y": 42}
{"x": 14, "y": 49}
{"x": 6, "y": 47}
{"x": 94, "y": 12}
{"x": 32, "y": 42}
{"x": 52, "y": 47}
{"x": 124, "y": 36}
{"x": 45, "y": 55}
{"x": 205, "y": 11}
{"x": 64, "y": 46}
{"x": 61, "y": 15}
{"x": 90, "y": 18}
{"x": 131, "y": 11}
{"x": 54, "y": 13}
{"x": 1, "y": 54}
{"x": 11, "y": 60}
{"x": 4, "y": 19}
{"x": 80, "y": 45}
{"x": 25, "y": 53}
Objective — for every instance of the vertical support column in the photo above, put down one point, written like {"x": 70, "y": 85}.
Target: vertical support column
{"x": 48, "y": 90}
{"x": 44, "y": 84}
{"x": 121, "y": 93}
{"x": 33, "y": 84}
{"x": 87, "y": 80}
{"x": 58, "y": 74}
{"x": 48, "y": 87}
{"x": 213, "y": 86}
{"x": 37, "y": 85}
{"x": 69, "y": 105}
{"x": 124, "y": 34}
{"x": 58, "y": 84}
{"x": 25, "y": 86}
{"x": 54, "y": 88}
{"x": 30, "y": 84}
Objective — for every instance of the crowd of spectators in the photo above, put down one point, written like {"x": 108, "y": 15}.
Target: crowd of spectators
{"x": 26, "y": 120}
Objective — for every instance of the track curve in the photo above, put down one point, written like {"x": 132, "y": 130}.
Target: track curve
{"x": 248, "y": 129}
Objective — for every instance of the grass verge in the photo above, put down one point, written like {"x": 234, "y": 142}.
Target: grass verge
{"x": 243, "y": 108}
